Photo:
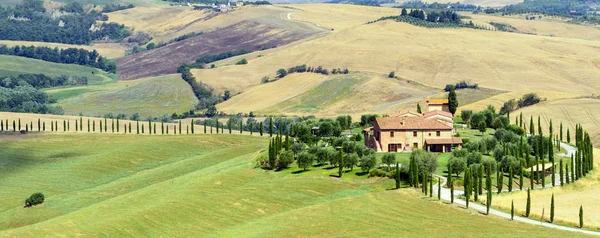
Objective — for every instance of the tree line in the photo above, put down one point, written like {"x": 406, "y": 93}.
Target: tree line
{"x": 29, "y": 21}
{"x": 204, "y": 92}
{"x": 525, "y": 101}
{"x": 303, "y": 68}
{"x": 63, "y": 56}
{"x": 202, "y": 61}
{"x": 42, "y": 81}
{"x": 20, "y": 96}
{"x": 461, "y": 85}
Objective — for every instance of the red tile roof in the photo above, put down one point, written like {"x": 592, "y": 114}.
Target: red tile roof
{"x": 437, "y": 112}
{"x": 410, "y": 123}
{"x": 443, "y": 141}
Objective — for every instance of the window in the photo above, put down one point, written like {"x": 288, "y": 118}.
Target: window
{"x": 391, "y": 134}
{"x": 437, "y": 133}
{"x": 414, "y": 133}
{"x": 429, "y": 133}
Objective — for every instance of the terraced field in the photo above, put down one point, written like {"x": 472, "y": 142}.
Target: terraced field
{"x": 203, "y": 185}
{"x": 149, "y": 97}
{"x": 14, "y": 65}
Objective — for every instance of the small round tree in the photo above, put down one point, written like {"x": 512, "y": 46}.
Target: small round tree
{"x": 34, "y": 199}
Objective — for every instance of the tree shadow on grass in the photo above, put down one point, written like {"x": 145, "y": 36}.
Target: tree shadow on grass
{"x": 361, "y": 173}
{"x": 299, "y": 171}
{"x": 330, "y": 168}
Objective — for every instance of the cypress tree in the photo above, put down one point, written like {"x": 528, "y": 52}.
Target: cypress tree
{"x": 475, "y": 175}
{"x": 19, "y": 124}
{"x": 261, "y": 128}
{"x": 167, "y": 130}
{"x": 154, "y": 126}
{"x": 241, "y": 127}
{"x": 229, "y": 126}
{"x": 1, "y": 125}
{"x": 425, "y": 178}
{"x": 31, "y": 125}
{"x": 512, "y": 210}
{"x": 51, "y": 126}
{"x": 439, "y": 194}
{"x": 39, "y": 125}
{"x": 217, "y": 125}
{"x": 543, "y": 174}
{"x": 118, "y": 125}
{"x": 551, "y": 159}
{"x": 510, "y": 179}
{"x": 521, "y": 120}
{"x": 26, "y": 127}
{"x": 467, "y": 185}
{"x": 561, "y": 132}
{"x": 211, "y": 129}
{"x": 105, "y": 125}
{"x": 142, "y": 128}
{"x": 89, "y": 125}
{"x": 489, "y": 189}
{"x": 192, "y": 126}
{"x": 521, "y": 181}
{"x": 222, "y": 128}
{"x": 100, "y": 125}
{"x": 180, "y": 127}
{"x": 531, "y": 130}
{"x": 64, "y": 125}
{"x": 205, "y": 127}
{"x": 552, "y": 209}
{"x": 43, "y": 126}
{"x": 187, "y": 130}
{"x": 137, "y": 127}
{"x": 76, "y": 127}
{"x": 340, "y": 162}
{"x": 567, "y": 173}
{"x": 568, "y": 136}
{"x": 528, "y": 205}
{"x": 573, "y": 175}
{"x": 162, "y": 128}
{"x": 451, "y": 189}
{"x": 112, "y": 125}
{"x": 499, "y": 178}
{"x": 150, "y": 127}
{"x": 397, "y": 175}
{"x": 581, "y": 216}
{"x": 271, "y": 126}
{"x": 480, "y": 186}
{"x": 252, "y": 128}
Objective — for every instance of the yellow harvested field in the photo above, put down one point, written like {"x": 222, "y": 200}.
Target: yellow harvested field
{"x": 567, "y": 200}
{"x": 340, "y": 16}
{"x": 269, "y": 94}
{"x": 498, "y": 100}
{"x": 490, "y": 3}
{"x": 168, "y": 22}
{"x": 109, "y": 50}
{"x": 435, "y": 57}
{"x": 585, "y": 111}
{"x": 546, "y": 26}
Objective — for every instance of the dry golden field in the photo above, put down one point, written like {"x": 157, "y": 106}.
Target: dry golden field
{"x": 109, "y": 50}
{"x": 498, "y": 100}
{"x": 547, "y": 26}
{"x": 168, "y": 22}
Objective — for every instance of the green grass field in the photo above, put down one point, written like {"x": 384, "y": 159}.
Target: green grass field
{"x": 148, "y": 97}
{"x": 206, "y": 185}
{"x": 14, "y": 65}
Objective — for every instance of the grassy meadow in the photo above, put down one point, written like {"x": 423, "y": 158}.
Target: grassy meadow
{"x": 14, "y": 65}
{"x": 206, "y": 185}
{"x": 154, "y": 96}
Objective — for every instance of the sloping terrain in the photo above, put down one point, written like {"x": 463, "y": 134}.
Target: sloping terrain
{"x": 15, "y": 65}
{"x": 155, "y": 96}
{"x": 108, "y": 50}
{"x": 547, "y": 26}
{"x": 498, "y": 100}
{"x": 203, "y": 185}
{"x": 243, "y": 30}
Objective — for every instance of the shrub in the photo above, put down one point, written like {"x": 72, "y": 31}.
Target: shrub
{"x": 281, "y": 73}
{"x": 242, "y": 61}
{"x": 34, "y": 199}
{"x": 528, "y": 100}
{"x": 285, "y": 159}
{"x": 305, "y": 160}
{"x": 392, "y": 74}
{"x": 378, "y": 173}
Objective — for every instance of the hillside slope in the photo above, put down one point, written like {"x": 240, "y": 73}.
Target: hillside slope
{"x": 129, "y": 185}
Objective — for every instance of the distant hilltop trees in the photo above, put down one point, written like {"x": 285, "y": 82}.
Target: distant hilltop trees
{"x": 64, "y": 56}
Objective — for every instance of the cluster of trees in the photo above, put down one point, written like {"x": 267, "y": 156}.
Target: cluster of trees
{"x": 512, "y": 104}
{"x": 204, "y": 92}
{"x": 433, "y": 16}
{"x": 350, "y": 154}
{"x": 115, "y": 7}
{"x": 440, "y": 6}
{"x": 17, "y": 95}
{"x": 41, "y": 81}
{"x": 63, "y": 56}
{"x": 303, "y": 68}
{"x": 482, "y": 120}
{"x": 461, "y": 85}
{"x": 257, "y": 3}
{"x": 29, "y": 21}
{"x": 421, "y": 168}
{"x": 417, "y": 21}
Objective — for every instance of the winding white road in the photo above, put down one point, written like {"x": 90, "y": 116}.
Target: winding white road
{"x": 445, "y": 195}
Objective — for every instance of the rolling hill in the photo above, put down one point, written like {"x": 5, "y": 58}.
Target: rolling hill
{"x": 109, "y": 50}
{"x": 155, "y": 96}
{"x": 15, "y": 65}
{"x": 203, "y": 185}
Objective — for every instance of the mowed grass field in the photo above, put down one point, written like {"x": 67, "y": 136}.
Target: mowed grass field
{"x": 154, "y": 96}
{"x": 109, "y": 50}
{"x": 14, "y": 65}
{"x": 203, "y": 185}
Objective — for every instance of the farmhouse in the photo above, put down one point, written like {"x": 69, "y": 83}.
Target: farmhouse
{"x": 408, "y": 130}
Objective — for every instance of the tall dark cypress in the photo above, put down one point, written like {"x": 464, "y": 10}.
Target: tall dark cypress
{"x": 397, "y": 175}
{"x": 581, "y": 216}
{"x": 340, "y": 162}
{"x": 261, "y": 129}
{"x": 512, "y": 210}
{"x": 180, "y": 127}
{"x": 528, "y": 205}
{"x": 39, "y": 125}
{"x": 271, "y": 126}
{"x": 100, "y": 125}
{"x": 552, "y": 209}
{"x": 43, "y": 126}
{"x": 467, "y": 185}
{"x": 205, "y": 127}
{"x": 105, "y": 125}
{"x": 489, "y": 189}
{"x": 567, "y": 173}
{"x": 510, "y": 179}
{"x": 521, "y": 181}
{"x": 551, "y": 158}
{"x": 137, "y": 127}
{"x": 241, "y": 126}
{"x": 192, "y": 124}
{"x": 89, "y": 125}
{"x": 162, "y": 128}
